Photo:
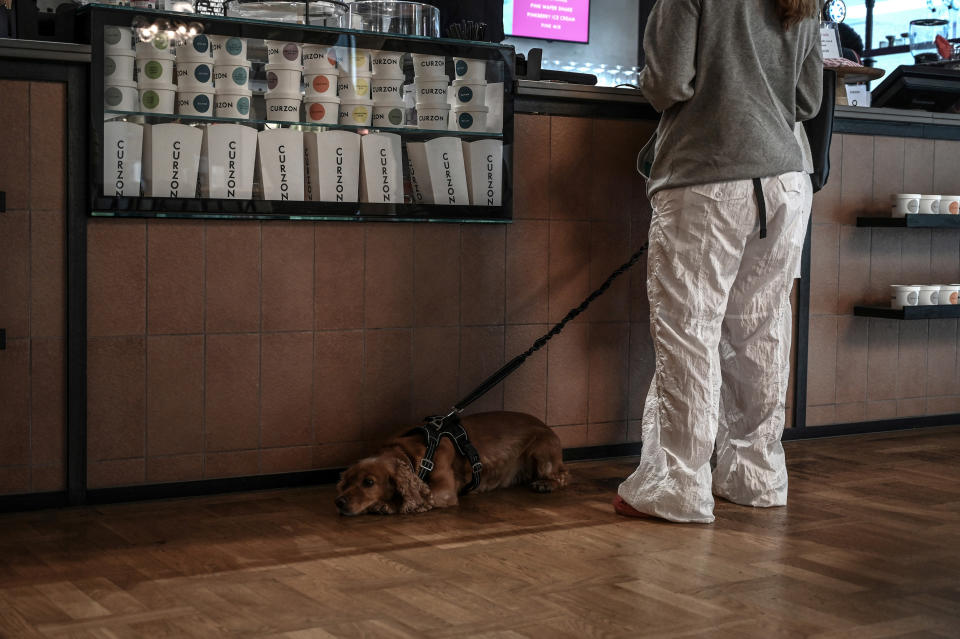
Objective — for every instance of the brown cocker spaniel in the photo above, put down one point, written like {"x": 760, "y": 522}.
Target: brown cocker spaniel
{"x": 515, "y": 448}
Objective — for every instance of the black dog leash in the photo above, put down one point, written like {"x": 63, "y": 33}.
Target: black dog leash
{"x": 437, "y": 427}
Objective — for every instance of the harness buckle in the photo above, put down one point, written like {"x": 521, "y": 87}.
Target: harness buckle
{"x": 477, "y": 467}
{"x": 426, "y": 464}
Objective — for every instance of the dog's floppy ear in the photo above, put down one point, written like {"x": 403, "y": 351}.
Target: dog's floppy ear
{"x": 412, "y": 490}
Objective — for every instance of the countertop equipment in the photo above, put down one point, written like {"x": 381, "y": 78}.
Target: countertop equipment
{"x": 921, "y": 86}
{"x": 323, "y": 13}
{"x": 401, "y": 17}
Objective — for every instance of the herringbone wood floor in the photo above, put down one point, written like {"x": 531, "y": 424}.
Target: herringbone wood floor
{"x": 869, "y": 546}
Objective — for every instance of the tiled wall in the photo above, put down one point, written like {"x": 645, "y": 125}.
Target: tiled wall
{"x": 870, "y": 369}
{"x": 221, "y": 349}
{"x": 32, "y": 297}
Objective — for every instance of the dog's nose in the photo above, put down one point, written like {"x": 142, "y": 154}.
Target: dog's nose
{"x": 340, "y": 502}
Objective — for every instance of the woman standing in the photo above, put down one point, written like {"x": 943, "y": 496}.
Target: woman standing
{"x": 731, "y": 206}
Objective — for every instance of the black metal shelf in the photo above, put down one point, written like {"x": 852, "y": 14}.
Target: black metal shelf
{"x": 909, "y": 312}
{"x": 914, "y": 221}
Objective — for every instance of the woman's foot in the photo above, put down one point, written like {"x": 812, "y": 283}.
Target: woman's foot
{"x": 621, "y": 507}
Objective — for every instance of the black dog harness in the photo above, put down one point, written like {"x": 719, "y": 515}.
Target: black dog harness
{"x": 436, "y": 428}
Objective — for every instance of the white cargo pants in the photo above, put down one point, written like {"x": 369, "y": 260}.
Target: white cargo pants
{"x": 721, "y": 321}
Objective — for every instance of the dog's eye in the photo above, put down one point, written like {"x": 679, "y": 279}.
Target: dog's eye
{"x": 369, "y": 481}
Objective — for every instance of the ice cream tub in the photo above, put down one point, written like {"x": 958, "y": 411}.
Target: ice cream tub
{"x": 352, "y": 61}
{"x": 321, "y": 85}
{"x": 195, "y": 49}
{"x": 229, "y": 50}
{"x": 950, "y": 205}
{"x": 389, "y": 114}
{"x": 901, "y": 296}
{"x": 159, "y": 48}
{"x": 929, "y": 295}
{"x": 430, "y": 92}
{"x": 117, "y": 40}
{"x": 386, "y": 90}
{"x": 325, "y": 110}
{"x": 356, "y": 113}
{"x": 905, "y": 204}
{"x": 117, "y": 67}
{"x": 949, "y": 295}
{"x": 929, "y": 205}
{"x": 470, "y": 69}
{"x": 470, "y": 118}
{"x": 195, "y": 103}
{"x": 429, "y": 66}
{"x": 121, "y": 96}
{"x": 282, "y": 79}
{"x": 387, "y": 64}
{"x": 319, "y": 59}
{"x": 231, "y": 77}
{"x": 433, "y": 117}
{"x": 232, "y": 105}
{"x": 157, "y": 99}
{"x": 284, "y": 107}
{"x": 353, "y": 88}
{"x": 195, "y": 76}
{"x": 470, "y": 93}
{"x": 282, "y": 54}
{"x": 122, "y": 146}
{"x": 154, "y": 73}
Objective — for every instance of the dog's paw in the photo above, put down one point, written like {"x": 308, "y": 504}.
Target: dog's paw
{"x": 543, "y": 486}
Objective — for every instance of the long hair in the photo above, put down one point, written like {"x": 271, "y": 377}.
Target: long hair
{"x": 796, "y": 11}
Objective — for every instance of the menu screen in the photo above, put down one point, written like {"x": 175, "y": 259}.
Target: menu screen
{"x": 567, "y": 20}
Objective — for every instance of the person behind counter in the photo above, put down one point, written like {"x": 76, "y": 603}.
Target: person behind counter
{"x": 731, "y": 205}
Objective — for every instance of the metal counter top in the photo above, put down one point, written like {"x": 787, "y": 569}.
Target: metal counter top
{"x": 42, "y": 50}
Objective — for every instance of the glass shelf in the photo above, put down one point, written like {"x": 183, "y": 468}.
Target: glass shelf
{"x": 909, "y": 312}
{"x": 404, "y": 131}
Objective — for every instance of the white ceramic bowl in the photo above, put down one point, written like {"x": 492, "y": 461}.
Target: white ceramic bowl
{"x": 321, "y": 85}
{"x": 284, "y": 107}
{"x": 470, "y": 118}
{"x": 430, "y": 66}
{"x": 387, "y": 64}
{"x": 154, "y": 73}
{"x": 470, "y": 93}
{"x": 390, "y": 115}
{"x": 195, "y": 76}
{"x": 323, "y": 110}
{"x": 232, "y": 105}
{"x": 160, "y": 48}
{"x": 284, "y": 54}
{"x": 433, "y": 117}
{"x": 121, "y": 96}
{"x": 157, "y": 99}
{"x": 118, "y": 68}
{"x": 282, "y": 79}
{"x": 318, "y": 59}
{"x": 229, "y": 50}
{"x": 353, "y": 88}
{"x": 470, "y": 69}
{"x": 386, "y": 90}
{"x": 195, "y": 103}
{"x": 431, "y": 92}
{"x": 195, "y": 49}
{"x": 117, "y": 40}
{"x": 231, "y": 78}
{"x": 357, "y": 113}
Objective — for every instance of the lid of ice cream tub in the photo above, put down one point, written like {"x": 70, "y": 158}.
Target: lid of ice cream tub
{"x": 393, "y": 104}
{"x": 357, "y": 102}
{"x": 283, "y": 67}
{"x": 332, "y": 99}
{"x": 130, "y": 84}
{"x": 166, "y": 86}
{"x": 233, "y": 91}
{"x": 283, "y": 95}
{"x": 464, "y": 83}
{"x": 466, "y": 108}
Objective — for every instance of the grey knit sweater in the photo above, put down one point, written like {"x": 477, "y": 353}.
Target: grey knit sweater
{"x": 731, "y": 84}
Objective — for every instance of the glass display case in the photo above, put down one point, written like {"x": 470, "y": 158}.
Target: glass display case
{"x": 226, "y": 117}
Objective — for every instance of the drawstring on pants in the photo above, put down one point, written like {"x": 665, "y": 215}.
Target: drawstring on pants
{"x": 761, "y": 206}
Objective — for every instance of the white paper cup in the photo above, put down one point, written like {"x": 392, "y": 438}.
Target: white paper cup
{"x": 282, "y": 79}
{"x": 357, "y": 113}
{"x": 950, "y": 205}
{"x": 195, "y": 103}
{"x": 229, "y": 50}
{"x": 319, "y": 59}
{"x": 470, "y": 69}
{"x": 387, "y": 64}
{"x": 386, "y": 90}
{"x": 352, "y": 61}
{"x": 390, "y": 115}
{"x": 121, "y": 96}
{"x": 154, "y": 73}
{"x": 431, "y": 92}
{"x": 905, "y": 204}
{"x": 282, "y": 54}
{"x": 157, "y": 99}
{"x": 195, "y": 49}
{"x": 324, "y": 110}
{"x": 901, "y": 296}
{"x": 353, "y": 88}
{"x": 118, "y": 68}
{"x": 321, "y": 85}
{"x": 284, "y": 107}
{"x": 429, "y": 66}
{"x": 117, "y": 40}
{"x": 433, "y": 117}
{"x": 949, "y": 295}
{"x": 231, "y": 78}
{"x": 929, "y": 296}
{"x": 470, "y": 93}
{"x": 232, "y": 105}
{"x": 470, "y": 118}
{"x": 160, "y": 48}
{"x": 929, "y": 205}
{"x": 195, "y": 76}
